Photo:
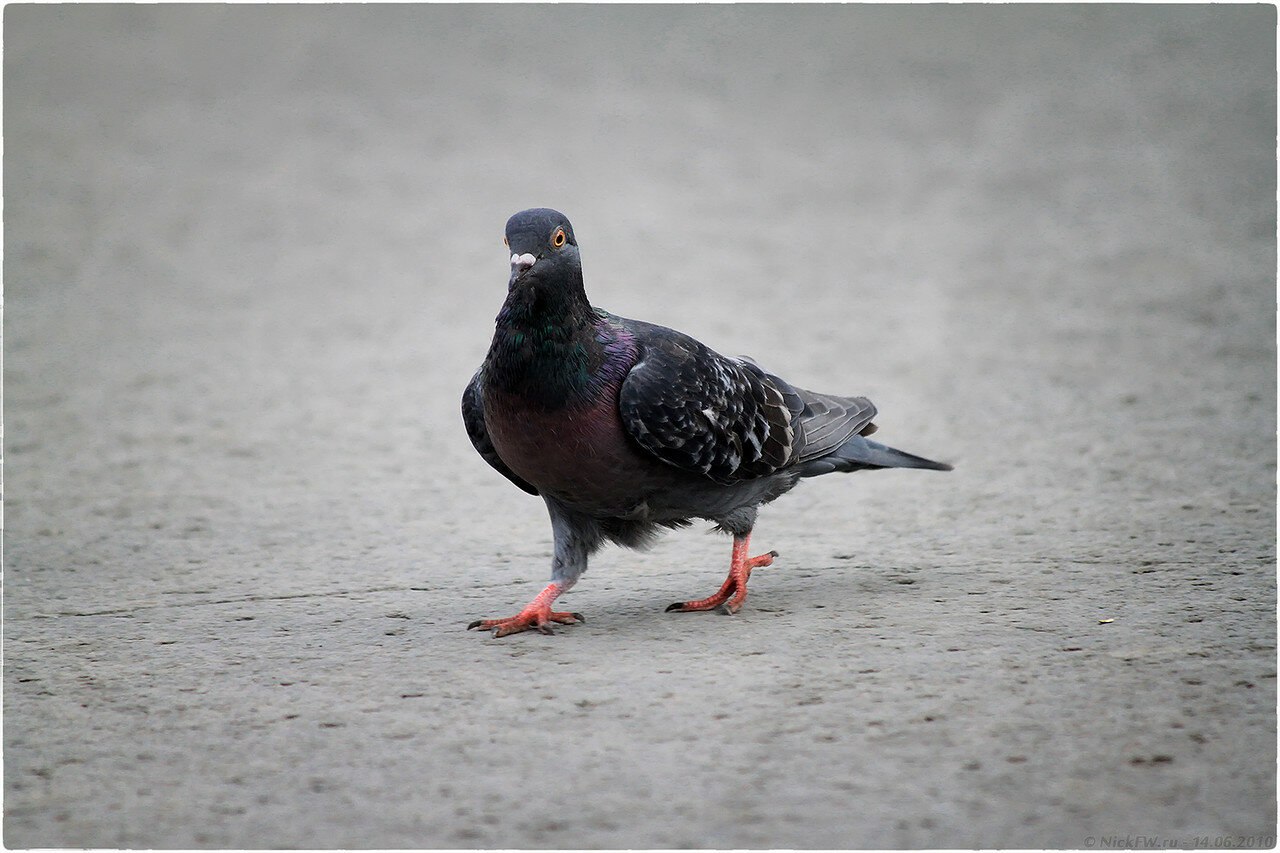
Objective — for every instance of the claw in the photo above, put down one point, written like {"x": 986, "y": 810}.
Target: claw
{"x": 733, "y": 592}
{"x": 537, "y": 616}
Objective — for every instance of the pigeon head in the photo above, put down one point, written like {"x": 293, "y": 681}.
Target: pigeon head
{"x": 542, "y": 246}
{"x": 545, "y": 346}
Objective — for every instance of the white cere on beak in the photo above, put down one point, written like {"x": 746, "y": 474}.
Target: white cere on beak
{"x": 524, "y": 261}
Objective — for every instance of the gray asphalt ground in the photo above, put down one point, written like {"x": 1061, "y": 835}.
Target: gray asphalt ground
{"x": 252, "y": 256}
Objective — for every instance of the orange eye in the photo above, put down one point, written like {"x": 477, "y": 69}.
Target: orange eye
{"x": 505, "y": 243}
{"x": 558, "y": 238}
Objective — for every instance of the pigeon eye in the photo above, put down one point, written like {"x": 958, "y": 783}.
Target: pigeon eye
{"x": 506, "y": 242}
{"x": 558, "y": 238}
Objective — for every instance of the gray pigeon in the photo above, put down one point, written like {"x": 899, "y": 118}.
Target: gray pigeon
{"x": 625, "y": 427}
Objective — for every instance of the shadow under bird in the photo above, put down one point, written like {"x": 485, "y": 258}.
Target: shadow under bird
{"x": 624, "y": 427}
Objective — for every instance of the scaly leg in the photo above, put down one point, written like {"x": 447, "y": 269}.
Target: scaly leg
{"x": 537, "y": 615}
{"x": 733, "y": 592}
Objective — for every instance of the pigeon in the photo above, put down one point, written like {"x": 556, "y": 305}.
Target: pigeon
{"x": 625, "y": 428}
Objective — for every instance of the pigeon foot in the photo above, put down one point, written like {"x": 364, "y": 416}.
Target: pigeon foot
{"x": 733, "y": 592}
{"x": 537, "y": 616}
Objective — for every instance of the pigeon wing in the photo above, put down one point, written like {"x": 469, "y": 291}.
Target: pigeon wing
{"x": 693, "y": 408}
{"x": 473, "y": 417}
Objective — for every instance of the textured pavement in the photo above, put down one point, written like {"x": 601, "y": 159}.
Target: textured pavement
{"x": 252, "y": 256}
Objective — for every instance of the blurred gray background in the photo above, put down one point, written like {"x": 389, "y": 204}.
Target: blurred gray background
{"x": 252, "y": 256}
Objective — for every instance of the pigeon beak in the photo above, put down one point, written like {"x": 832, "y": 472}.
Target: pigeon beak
{"x": 520, "y": 264}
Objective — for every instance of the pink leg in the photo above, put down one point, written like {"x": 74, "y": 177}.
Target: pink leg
{"x": 733, "y": 592}
{"x": 537, "y": 614}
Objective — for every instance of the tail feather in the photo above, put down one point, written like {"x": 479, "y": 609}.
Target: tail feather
{"x": 861, "y": 454}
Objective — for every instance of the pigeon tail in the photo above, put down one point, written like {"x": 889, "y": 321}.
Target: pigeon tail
{"x": 861, "y": 454}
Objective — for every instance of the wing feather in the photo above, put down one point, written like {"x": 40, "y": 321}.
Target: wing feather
{"x": 828, "y": 422}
